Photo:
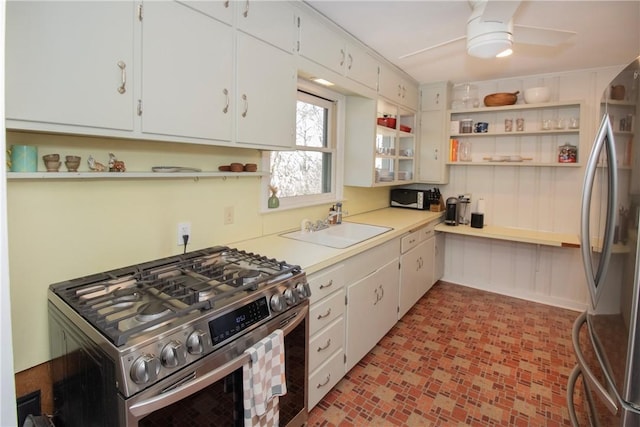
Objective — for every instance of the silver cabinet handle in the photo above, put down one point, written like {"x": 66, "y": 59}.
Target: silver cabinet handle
{"x": 123, "y": 68}
{"x": 399, "y": 91}
{"x": 350, "y": 62}
{"x": 226, "y": 4}
{"x": 326, "y": 346}
{"x": 246, "y": 105}
{"x": 325, "y": 382}
{"x": 437, "y": 98}
{"x": 246, "y": 9}
{"x": 379, "y": 295}
{"x": 225, "y": 92}
{"x": 327, "y": 285}
{"x": 342, "y": 57}
{"x": 327, "y": 314}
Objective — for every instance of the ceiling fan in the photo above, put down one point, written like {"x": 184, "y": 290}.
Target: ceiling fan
{"x": 491, "y": 32}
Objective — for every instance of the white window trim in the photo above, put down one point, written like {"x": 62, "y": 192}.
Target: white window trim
{"x": 336, "y": 193}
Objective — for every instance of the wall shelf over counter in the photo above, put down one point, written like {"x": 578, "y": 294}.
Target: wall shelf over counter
{"x": 518, "y": 164}
{"x": 514, "y": 235}
{"x": 128, "y": 175}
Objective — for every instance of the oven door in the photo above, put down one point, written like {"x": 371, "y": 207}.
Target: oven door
{"x": 210, "y": 391}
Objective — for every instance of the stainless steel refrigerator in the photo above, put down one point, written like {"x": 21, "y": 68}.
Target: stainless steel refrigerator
{"x": 606, "y": 338}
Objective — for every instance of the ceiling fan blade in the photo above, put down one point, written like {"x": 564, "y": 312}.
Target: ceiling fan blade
{"x": 541, "y": 36}
{"x": 499, "y": 11}
{"x": 407, "y": 55}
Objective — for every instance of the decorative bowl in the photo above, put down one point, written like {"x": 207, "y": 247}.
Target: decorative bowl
{"x": 536, "y": 95}
{"x": 501, "y": 98}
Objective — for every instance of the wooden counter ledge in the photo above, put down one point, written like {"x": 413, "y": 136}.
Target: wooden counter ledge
{"x": 514, "y": 235}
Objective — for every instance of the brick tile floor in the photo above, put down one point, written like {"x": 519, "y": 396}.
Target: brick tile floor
{"x": 461, "y": 356}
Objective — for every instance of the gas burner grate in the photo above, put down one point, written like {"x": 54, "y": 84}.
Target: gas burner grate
{"x": 197, "y": 281}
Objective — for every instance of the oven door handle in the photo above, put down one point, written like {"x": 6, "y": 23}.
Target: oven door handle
{"x": 141, "y": 409}
{"x": 187, "y": 388}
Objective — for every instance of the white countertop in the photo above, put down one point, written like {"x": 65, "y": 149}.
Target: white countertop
{"x": 312, "y": 257}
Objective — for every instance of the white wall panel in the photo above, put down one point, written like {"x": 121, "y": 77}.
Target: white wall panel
{"x": 538, "y": 198}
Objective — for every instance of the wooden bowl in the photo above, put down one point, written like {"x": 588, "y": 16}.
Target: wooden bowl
{"x": 500, "y": 99}
{"x": 224, "y": 168}
{"x": 237, "y": 167}
{"x": 251, "y": 167}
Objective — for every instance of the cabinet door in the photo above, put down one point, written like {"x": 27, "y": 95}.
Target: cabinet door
{"x": 219, "y": 9}
{"x": 62, "y": 63}
{"x": 361, "y": 67}
{"x": 265, "y": 94}
{"x": 432, "y": 148}
{"x": 410, "y": 267}
{"x": 427, "y": 257}
{"x": 186, "y": 73}
{"x": 434, "y": 96}
{"x": 270, "y": 21}
{"x": 372, "y": 311}
{"x": 322, "y": 45}
{"x": 438, "y": 259}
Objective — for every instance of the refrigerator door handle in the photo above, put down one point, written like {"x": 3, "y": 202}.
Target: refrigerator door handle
{"x": 591, "y": 382}
{"x": 604, "y": 140}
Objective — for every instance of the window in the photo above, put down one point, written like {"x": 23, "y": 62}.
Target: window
{"x": 308, "y": 175}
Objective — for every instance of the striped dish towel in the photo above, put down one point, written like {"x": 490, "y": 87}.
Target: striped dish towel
{"x": 263, "y": 380}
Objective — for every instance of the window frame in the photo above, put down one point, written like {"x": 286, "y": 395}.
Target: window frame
{"x": 337, "y": 128}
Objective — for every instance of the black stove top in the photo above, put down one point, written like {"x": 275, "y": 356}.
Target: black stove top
{"x": 128, "y": 301}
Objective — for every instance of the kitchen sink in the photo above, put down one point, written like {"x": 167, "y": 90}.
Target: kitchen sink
{"x": 339, "y": 236}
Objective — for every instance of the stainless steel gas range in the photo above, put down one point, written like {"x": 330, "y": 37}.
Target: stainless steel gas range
{"x": 162, "y": 343}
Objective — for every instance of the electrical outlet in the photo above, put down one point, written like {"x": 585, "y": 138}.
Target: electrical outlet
{"x": 228, "y": 215}
{"x": 184, "y": 228}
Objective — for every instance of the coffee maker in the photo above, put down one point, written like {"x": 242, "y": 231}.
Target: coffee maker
{"x": 451, "y": 212}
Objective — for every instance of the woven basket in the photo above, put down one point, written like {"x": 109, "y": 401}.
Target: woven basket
{"x": 499, "y": 99}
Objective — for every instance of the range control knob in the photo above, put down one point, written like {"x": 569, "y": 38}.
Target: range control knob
{"x": 173, "y": 354}
{"x": 303, "y": 290}
{"x": 145, "y": 369}
{"x": 277, "y": 302}
{"x": 197, "y": 341}
{"x": 290, "y": 296}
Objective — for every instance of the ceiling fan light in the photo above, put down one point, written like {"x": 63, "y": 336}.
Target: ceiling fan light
{"x": 505, "y": 53}
{"x": 489, "y": 45}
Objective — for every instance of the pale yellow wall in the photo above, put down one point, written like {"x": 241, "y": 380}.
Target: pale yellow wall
{"x": 63, "y": 229}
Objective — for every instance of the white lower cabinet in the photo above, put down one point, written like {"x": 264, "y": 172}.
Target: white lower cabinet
{"x": 372, "y": 301}
{"x": 326, "y": 332}
{"x": 438, "y": 258}
{"x": 416, "y": 267}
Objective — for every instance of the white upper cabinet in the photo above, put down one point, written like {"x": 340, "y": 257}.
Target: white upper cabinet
{"x": 187, "y": 75}
{"x": 82, "y": 77}
{"x": 270, "y": 21}
{"x": 265, "y": 96}
{"x": 331, "y": 49}
{"x": 219, "y": 9}
{"x": 397, "y": 88}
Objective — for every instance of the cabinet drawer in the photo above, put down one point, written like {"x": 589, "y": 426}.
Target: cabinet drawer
{"x": 325, "y": 343}
{"x": 369, "y": 261}
{"x": 324, "y": 378}
{"x": 427, "y": 232}
{"x": 324, "y": 312}
{"x": 410, "y": 241}
{"x": 325, "y": 282}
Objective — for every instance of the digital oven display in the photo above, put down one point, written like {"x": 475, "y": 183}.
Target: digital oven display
{"x": 238, "y": 320}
